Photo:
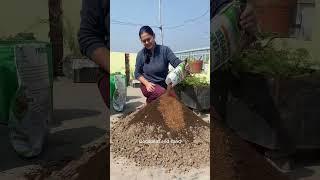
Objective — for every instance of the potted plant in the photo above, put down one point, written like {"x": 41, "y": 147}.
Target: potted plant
{"x": 195, "y": 65}
{"x": 194, "y": 92}
{"x": 275, "y": 15}
{"x": 284, "y": 80}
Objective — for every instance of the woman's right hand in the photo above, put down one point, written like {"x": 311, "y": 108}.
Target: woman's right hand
{"x": 150, "y": 87}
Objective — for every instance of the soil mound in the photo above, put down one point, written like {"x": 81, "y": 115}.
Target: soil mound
{"x": 166, "y": 134}
{"x": 235, "y": 159}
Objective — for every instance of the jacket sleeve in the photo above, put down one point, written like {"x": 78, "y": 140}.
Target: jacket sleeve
{"x": 216, "y": 5}
{"x": 172, "y": 58}
{"x": 139, "y": 65}
{"x": 91, "y": 35}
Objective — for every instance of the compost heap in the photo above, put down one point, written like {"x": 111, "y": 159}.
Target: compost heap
{"x": 165, "y": 133}
{"x": 234, "y": 159}
{"x": 167, "y": 118}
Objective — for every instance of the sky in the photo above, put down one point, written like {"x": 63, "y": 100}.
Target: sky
{"x": 194, "y": 15}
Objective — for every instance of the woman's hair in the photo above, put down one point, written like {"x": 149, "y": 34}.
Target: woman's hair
{"x": 146, "y": 29}
{"x": 147, "y": 52}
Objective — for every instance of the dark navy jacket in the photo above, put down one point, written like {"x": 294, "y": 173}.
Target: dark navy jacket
{"x": 156, "y": 70}
{"x": 216, "y": 5}
{"x": 94, "y": 31}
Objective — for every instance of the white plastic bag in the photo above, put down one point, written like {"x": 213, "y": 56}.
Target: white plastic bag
{"x": 177, "y": 75}
{"x": 225, "y": 35}
{"x": 31, "y": 107}
{"x": 120, "y": 93}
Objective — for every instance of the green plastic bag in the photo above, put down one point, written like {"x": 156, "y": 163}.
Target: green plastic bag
{"x": 8, "y": 81}
{"x": 120, "y": 92}
{"x": 112, "y": 83}
{"x": 112, "y": 86}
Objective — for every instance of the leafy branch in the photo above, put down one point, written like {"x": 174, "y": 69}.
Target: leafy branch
{"x": 70, "y": 38}
{"x": 263, "y": 58}
{"x": 194, "y": 81}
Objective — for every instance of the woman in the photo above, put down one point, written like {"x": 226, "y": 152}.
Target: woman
{"x": 152, "y": 65}
{"x": 93, "y": 39}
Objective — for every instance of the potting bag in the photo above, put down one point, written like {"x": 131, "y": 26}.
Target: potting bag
{"x": 31, "y": 106}
{"x": 120, "y": 92}
{"x": 177, "y": 75}
{"x": 225, "y": 36}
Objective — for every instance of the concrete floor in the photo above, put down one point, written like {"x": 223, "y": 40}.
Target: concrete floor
{"x": 306, "y": 173}
{"x": 79, "y": 119}
{"x": 307, "y": 165}
{"x": 135, "y": 99}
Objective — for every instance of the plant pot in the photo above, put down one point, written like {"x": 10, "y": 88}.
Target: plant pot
{"x": 196, "y": 66}
{"x": 275, "y": 16}
{"x": 195, "y": 97}
{"x": 295, "y": 100}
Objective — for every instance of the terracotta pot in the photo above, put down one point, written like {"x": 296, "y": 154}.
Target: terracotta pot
{"x": 275, "y": 16}
{"x": 196, "y": 66}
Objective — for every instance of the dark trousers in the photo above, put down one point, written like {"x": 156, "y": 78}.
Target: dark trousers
{"x": 158, "y": 91}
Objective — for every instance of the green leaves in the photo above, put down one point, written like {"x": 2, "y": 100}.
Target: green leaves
{"x": 19, "y": 37}
{"x": 70, "y": 38}
{"x": 194, "y": 81}
{"x": 273, "y": 62}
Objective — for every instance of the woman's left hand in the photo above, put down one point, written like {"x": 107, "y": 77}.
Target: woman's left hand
{"x": 248, "y": 20}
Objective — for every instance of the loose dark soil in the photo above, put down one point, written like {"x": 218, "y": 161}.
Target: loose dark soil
{"x": 166, "y": 134}
{"x": 94, "y": 164}
{"x": 235, "y": 159}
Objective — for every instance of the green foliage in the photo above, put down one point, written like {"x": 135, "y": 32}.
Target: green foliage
{"x": 70, "y": 38}
{"x": 273, "y": 62}
{"x": 194, "y": 81}
{"x": 19, "y": 37}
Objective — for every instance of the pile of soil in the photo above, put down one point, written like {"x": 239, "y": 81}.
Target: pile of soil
{"x": 235, "y": 159}
{"x": 168, "y": 119}
{"x": 165, "y": 133}
{"x": 92, "y": 164}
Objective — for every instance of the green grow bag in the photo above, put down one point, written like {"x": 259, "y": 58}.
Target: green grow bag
{"x": 8, "y": 81}
{"x": 112, "y": 83}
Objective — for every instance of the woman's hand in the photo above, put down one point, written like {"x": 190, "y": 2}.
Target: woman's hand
{"x": 248, "y": 20}
{"x": 100, "y": 57}
{"x": 150, "y": 87}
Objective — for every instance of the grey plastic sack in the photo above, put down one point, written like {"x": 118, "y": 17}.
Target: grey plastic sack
{"x": 31, "y": 107}
{"x": 120, "y": 93}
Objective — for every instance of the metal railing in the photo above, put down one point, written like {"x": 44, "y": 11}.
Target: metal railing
{"x": 194, "y": 54}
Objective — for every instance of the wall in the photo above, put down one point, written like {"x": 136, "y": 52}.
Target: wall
{"x": 132, "y": 60}
{"x": 117, "y": 62}
{"x": 17, "y": 16}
